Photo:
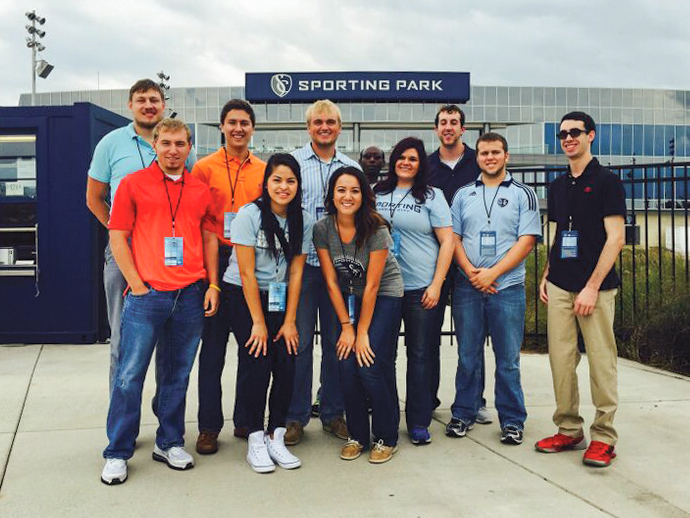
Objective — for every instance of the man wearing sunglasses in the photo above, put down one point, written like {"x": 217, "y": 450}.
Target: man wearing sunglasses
{"x": 579, "y": 285}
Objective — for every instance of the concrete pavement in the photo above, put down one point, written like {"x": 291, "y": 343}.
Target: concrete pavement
{"x": 53, "y": 404}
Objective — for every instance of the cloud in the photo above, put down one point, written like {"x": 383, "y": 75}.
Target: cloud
{"x": 640, "y": 43}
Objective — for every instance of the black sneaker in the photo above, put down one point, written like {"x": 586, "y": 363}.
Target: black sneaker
{"x": 458, "y": 428}
{"x": 511, "y": 434}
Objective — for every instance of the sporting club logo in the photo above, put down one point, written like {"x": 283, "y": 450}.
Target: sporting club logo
{"x": 281, "y": 84}
{"x": 502, "y": 202}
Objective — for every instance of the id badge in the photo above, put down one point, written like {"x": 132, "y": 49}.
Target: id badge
{"x": 173, "y": 251}
{"x": 351, "y": 307}
{"x": 397, "y": 236}
{"x": 227, "y": 221}
{"x": 569, "y": 242}
{"x": 320, "y": 212}
{"x": 277, "y": 297}
{"x": 487, "y": 243}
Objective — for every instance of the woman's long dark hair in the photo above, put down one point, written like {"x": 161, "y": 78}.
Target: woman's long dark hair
{"x": 367, "y": 220}
{"x": 420, "y": 188}
{"x": 269, "y": 223}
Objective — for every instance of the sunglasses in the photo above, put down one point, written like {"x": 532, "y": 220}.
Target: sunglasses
{"x": 575, "y": 132}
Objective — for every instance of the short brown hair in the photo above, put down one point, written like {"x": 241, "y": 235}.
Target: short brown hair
{"x": 450, "y": 109}
{"x": 492, "y": 137}
{"x": 144, "y": 85}
{"x": 171, "y": 125}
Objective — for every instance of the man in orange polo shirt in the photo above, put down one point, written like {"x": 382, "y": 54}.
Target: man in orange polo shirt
{"x": 168, "y": 216}
{"x": 234, "y": 176}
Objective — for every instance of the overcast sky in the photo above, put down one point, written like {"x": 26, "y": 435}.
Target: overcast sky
{"x": 110, "y": 44}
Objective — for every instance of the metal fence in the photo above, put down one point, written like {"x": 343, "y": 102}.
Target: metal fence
{"x": 654, "y": 265}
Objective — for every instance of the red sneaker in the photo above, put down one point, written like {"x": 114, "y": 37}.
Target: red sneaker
{"x": 599, "y": 454}
{"x": 560, "y": 442}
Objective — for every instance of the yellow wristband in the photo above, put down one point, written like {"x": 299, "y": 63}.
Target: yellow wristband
{"x": 215, "y": 287}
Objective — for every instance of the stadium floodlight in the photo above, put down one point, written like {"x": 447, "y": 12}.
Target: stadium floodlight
{"x": 42, "y": 67}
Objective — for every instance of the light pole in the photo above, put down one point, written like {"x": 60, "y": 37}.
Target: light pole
{"x": 42, "y": 67}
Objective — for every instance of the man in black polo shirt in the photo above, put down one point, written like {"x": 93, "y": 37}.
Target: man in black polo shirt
{"x": 579, "y": 285}
{"x": 451, "y": 166}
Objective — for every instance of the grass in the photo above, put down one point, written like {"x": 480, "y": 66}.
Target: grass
{"x": 652, "y": 308}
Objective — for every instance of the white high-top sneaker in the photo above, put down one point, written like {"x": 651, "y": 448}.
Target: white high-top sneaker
{"x": 257, "y": 453}
{"x": 278, "y": 452}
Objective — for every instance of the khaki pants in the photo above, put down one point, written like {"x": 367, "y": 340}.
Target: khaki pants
{"x": 600, "y": 343}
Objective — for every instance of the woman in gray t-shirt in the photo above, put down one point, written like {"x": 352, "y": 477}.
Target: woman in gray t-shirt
{"x": 365, "y": 286}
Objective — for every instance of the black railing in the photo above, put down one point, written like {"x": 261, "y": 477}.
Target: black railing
{"x": 658, "y": 203}
{"x": 654, "y": 265}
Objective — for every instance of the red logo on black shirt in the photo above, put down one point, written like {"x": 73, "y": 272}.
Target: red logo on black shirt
{"x": 588, "y": 189}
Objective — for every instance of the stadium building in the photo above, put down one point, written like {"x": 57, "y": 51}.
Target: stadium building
{"x": 633, "y": 124}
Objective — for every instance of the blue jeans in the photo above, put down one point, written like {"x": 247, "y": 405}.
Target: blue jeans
{"x": 212, "y": 360}
{"x": 435, "y": 343}
{"x": 114, "y": 284}
{"x": 375, "y": 384}
{"x": 313, "y": 297}
{"x": 420, "y": 337}
{"x": 503, "y": 316}
{"x": 175, "y": 320}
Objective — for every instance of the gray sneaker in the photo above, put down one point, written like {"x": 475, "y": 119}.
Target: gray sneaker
{"x": 458, "y": 428}
{"x": 175, "y": 457}
{"x": 483, "y": 416}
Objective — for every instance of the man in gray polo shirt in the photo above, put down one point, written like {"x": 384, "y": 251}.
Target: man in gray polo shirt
{"x": 496, "y": 221}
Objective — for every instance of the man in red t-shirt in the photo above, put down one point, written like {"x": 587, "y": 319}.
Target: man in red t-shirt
{"x": 168, "y": 216}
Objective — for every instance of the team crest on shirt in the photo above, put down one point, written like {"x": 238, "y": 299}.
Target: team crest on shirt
{"x": 502, "y": 202}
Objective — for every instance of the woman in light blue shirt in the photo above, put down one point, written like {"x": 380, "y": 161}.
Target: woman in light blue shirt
{"x": 271, "y": 237}
{"x": 423, "y": 245}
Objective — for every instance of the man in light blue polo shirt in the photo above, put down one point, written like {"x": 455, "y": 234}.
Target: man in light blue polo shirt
{"x": 318, "y": 160}
{"x": 496, "y": 221}
{"x": 121, "y": 152}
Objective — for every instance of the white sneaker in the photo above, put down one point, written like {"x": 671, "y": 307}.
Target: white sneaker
{"x": 257, "y": 453}
{"x": 114, "y": 471}
{"x": 278, "y": 452}
{"x": 175, "y": 457}
{"x": 483, "y": 416}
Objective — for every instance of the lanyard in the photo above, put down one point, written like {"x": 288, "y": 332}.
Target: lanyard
{"x": 392, "y": 208}
{"x": 237, "y": 176}
{"x": 281, "y": 251}
{"x": 571, "y": 188}
{"x": 141, "y": 157}
{"x": 491, "y": 207}
{"x": 173, "y": 215}
{"x": 324, "y": 183}
{"x": 342, "y": 249}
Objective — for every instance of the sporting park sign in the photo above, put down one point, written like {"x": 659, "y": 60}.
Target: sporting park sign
{"x": 357, "y": 86}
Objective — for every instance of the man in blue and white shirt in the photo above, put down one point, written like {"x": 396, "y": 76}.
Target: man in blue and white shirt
{"x": 318, "y": 160}
{"x": 121, "y": 152}
{"x": 496, "y": 221}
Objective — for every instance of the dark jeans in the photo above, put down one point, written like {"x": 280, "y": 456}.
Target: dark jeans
{"x": 256, "y": 372}
{"x": 314, "y": 298}
{"x": 212, "y": 360}
{"x": 375, "y": 384}
{"x": 420, "y": 338}
{"x": 173, "y": 319}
